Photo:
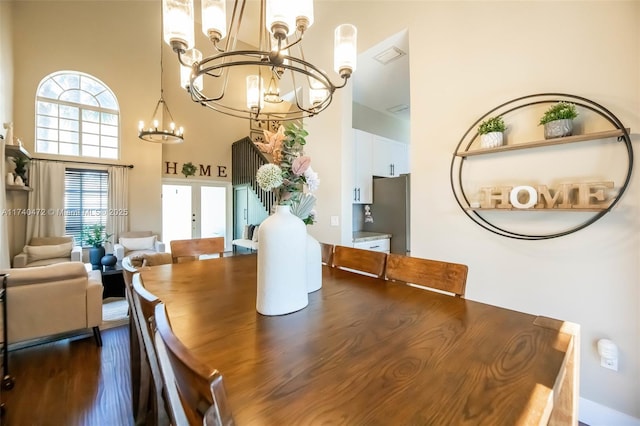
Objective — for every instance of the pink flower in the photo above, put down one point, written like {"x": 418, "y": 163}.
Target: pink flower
{"x": 300, "y": 165}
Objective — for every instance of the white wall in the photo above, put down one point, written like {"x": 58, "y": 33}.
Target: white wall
{"x": 117, "y": 42}
{"x": 378, "y": 123}
{"x": 466, "y": 58}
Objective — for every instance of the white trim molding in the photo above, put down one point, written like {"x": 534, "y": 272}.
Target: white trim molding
{"x": 595, "y": 414}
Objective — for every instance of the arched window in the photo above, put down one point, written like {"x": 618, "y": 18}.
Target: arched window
{"x": 76, "y": 114}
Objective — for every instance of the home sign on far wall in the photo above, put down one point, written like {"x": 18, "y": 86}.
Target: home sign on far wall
{"x": 171, "y": 168}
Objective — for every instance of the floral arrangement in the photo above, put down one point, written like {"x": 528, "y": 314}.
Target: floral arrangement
{"x": 290, "y": 175}
{"x": 559, "y": 111}
{"x": 493, "y": 124}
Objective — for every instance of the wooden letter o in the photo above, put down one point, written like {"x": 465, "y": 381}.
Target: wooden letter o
{"x": 533, "y": 197}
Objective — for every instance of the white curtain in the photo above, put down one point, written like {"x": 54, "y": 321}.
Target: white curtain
{"x": 47, "y": 180}
{"x": 118, "y": 218}
{"x": 4, "y": 230}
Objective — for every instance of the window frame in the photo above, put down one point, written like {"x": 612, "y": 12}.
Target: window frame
{"x": 107, "y": 132}
{"x": 90, "y": 213}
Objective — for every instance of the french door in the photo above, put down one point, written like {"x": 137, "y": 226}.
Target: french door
{"x": 196, "y": 209}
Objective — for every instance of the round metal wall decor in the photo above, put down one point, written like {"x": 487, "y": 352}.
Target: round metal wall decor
{"x": 523, "y": 198}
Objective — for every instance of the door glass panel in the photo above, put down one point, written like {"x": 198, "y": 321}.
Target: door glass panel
{"x": 176, "y": 213}
{"x": 213, "y": 220}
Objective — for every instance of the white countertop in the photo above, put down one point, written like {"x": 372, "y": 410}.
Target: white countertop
{"x": 360, "y": 236}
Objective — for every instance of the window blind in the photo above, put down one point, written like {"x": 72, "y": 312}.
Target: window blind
{"x": 85, "y": 200}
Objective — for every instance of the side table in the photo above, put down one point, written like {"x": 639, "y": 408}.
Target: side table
{"x": 113, "y": 281}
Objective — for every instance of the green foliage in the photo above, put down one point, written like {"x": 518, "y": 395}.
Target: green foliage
{"x": 559, "y": 111}
{"x": 95, "y": 235}
{"x": 21, "y": 164}
{"x": 493, "y": 124}
{"x": 292, "y": 147}
{"x": 188, "y": 169}
{"x": 295, "y": 135}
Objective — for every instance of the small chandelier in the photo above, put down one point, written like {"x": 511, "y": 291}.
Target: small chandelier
{"x": 158, "y": 132}
{"x": 278, "y": 65}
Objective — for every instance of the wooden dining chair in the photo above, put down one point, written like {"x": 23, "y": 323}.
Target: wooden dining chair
{"x": 201, "y": 390}
{"x": 327, "y": 253}
{"x": 135, "y": 343}
{"x": 427, "y": 273}
{"x": 187, "y": 250}
{"x": 359, "y": 260}
{"x": 151, "y": 390}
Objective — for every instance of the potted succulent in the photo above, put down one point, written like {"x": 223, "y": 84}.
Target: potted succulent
{"x": 95, "y": 236}
{"x": 558, "y": 120}
{"x": 491, "y": 132}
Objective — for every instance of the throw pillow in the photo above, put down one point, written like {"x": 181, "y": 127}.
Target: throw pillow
{"x": 245, "y": 232}
{"x": 141, "y": 243}
{"x": 251, "y": 230}
{"x": 153, "y": 259}
{"x": 53, "y": 251}
{"x": 137, "y": 260}
{"x": 254, "y": 238}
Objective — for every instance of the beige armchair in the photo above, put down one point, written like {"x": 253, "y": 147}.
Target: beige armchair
{"x": 48, "y": 300}
{"x": 135, "y": 243}
{"x": 43, "y": 251}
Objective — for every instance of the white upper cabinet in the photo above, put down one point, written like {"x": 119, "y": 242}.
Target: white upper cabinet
{"x": 362, "y": 192}
{"x": 390, "y": 158}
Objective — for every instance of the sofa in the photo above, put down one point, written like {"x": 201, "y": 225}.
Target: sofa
{"x": 42, "y": 251}
{"x": 134, "y": 243}
{"x": 47, "y": 300}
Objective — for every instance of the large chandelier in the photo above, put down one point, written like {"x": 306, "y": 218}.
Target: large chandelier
{"x": 277, "y": 66}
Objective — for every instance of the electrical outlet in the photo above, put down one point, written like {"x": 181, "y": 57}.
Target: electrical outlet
{"x": 610, "y": 363}
{"x": 335, "y": 221}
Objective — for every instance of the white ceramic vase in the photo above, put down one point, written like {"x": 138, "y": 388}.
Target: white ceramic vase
{"x": 314, "y": 264}
{"x": 282, "y": 264}
{"x": 491, "y": 139}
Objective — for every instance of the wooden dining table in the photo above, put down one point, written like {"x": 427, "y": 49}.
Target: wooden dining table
{"x": 367, "y": 351}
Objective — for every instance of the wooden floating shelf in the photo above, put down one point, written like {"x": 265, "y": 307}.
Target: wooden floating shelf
{"x": 546, "y": 142}
{"x": 16, "y": 151}
{"x": 18, "y": 188}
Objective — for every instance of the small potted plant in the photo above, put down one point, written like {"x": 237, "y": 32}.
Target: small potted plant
{"x": 558, "y": 120}
{"x": 95, "y": 236}
{"x": 491, "y": 132}
{"x": 21, "y": 164}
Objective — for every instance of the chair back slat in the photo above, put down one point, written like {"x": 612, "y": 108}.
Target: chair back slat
{"x": 439, "y": 275}
{"x": 182, "y": 250}
{"x": 327, "y": 253}
{"x": 199, "y": 387}
{"x": 367, "y": 261}
{"x": 150, "y": 397}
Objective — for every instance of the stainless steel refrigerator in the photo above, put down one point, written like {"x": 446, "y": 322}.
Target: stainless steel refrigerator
{"x": 390, "y": 211}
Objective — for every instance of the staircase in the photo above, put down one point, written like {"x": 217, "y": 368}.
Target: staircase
{"x": 246, "y": 159}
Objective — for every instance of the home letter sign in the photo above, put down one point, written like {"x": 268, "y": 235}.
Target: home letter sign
{"x": 566, "y": 196}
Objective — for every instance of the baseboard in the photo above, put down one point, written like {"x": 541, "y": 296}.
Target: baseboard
{"x": 595, "y": 414}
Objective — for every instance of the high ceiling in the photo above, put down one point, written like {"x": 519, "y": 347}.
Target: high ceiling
{"x": 384, "y": 87}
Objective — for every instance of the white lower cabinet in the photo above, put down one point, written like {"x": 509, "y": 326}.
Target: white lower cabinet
{"x": 383, "y": 245}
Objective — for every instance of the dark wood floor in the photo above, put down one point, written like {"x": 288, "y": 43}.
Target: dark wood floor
{"x": 71, "y": 382}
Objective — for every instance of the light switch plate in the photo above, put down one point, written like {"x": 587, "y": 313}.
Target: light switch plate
{"x": 335, "y": 221}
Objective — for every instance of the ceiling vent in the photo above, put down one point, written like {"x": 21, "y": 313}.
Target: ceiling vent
{"x": 398, "y": 109}
{"x": 389, "y": 55}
